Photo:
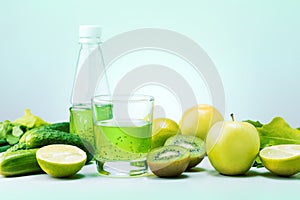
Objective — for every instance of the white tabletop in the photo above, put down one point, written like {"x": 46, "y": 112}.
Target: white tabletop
{"x": 203, "y": 183}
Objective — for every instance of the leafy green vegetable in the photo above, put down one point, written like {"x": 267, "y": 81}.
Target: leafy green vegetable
{"x": 5, "y": 127}
{"x": 4, "y": 148}
{"x": 258, "y": 163}
{"x": 29, "y": 120}
{"x": 278, "y": 131}
{"x": 3, "y": 142}
{"x": 12, "y": 139}
{"x": 11, "y": 132}
{"x": 254, "y": 123}
{"x": 18, "y": 131}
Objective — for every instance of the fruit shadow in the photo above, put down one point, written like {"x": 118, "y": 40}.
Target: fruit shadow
{"x": 154, "y": 177}
{"x": 250, "y": 174}
{"x": 270, "y": 175}
{"x": 182, "y": 176}
{"x": 195, "y": 170}
{"x": 70, "y": 178}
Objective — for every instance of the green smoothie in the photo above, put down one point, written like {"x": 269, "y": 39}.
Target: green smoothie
{"x": 122, "y": 140}
{"x": 81, "y": 122}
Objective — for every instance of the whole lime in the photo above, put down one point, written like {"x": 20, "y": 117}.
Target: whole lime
{"x": 162, "y": 129}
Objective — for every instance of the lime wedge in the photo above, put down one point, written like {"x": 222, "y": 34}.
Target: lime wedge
{"x": 60, "y": 160}
{"x": 282, "y": 160}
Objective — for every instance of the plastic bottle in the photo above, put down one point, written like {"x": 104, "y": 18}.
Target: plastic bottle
{"x": 90, "y": 69}
{"x": 90, "y": 66}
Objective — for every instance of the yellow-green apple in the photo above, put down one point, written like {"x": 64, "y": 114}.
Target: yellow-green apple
{"x": 232, "y": 146}
{"x": 198, "y": 119}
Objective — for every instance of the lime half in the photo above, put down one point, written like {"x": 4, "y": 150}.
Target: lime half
{"x": 282, "y": 160}
{"x": 60, "y": 160}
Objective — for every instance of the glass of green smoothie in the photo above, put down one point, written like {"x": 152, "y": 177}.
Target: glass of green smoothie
{"x": 122, "y": 130}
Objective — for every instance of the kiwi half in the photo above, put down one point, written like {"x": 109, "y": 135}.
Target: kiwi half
{"x": 168, "y": 161}
{"x": 193, "y": 143}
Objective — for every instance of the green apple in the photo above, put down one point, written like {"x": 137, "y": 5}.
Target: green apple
{"x": 198, "y": 119}
{"x": 232, "y": 147}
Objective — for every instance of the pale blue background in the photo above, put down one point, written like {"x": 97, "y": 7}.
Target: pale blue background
{"x": 254, "y": 45}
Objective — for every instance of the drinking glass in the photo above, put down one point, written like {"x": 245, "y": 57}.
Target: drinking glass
{"x": 122, "y": 131}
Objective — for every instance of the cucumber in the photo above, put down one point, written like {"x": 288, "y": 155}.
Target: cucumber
{"x": 21, "y": 162}
{"x": 61, "y": 126}
{"x": 43, "y": 137}
{"x": 16, "y": 147}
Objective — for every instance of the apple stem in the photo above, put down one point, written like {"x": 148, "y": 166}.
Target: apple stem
{"x": 232, "y": 117}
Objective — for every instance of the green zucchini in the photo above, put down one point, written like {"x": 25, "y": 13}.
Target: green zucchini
{"x": 21, "y": 162}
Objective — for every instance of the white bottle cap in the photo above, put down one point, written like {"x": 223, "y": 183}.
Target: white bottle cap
{"x": 90, "y": 31}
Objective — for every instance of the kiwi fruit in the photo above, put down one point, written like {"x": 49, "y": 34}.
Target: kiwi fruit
{"x": 168, "y": 161}
{"x": 195, "y": 145}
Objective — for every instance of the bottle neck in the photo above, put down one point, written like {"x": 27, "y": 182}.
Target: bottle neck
{"x": 89, "y": 41}
{"x": 89, "y": 45}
